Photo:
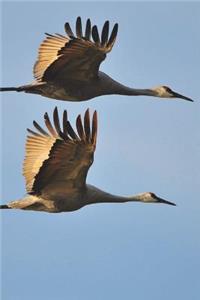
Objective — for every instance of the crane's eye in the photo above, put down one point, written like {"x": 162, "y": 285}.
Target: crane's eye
{"x": 167, "y": 88}
{"x": 152, "y": 195}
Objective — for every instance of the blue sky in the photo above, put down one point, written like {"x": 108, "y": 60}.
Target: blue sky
{"x": 125, "y": 251}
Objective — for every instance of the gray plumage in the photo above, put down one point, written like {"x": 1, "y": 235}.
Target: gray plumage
{"x": 56, "y": 165}
{"x": 67, "y": 67}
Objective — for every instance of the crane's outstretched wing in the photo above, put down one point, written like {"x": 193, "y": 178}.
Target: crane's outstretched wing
{"x": 59, "y": 155}
{"x": 61, "y": 58}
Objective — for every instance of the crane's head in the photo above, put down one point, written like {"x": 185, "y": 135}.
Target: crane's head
{"x": 152, "y": 198}
{"x": 165, "y": 92}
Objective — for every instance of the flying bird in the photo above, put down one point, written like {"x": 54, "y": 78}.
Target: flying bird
{"x": 67, "y": 67}
{"x": 56, "y": 165}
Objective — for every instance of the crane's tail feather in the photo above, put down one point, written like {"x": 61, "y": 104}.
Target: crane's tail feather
{"x": 4, "y": 206}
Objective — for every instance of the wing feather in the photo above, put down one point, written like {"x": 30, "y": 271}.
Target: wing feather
{"x": 80, "y": 129}
{"x": 61, "y": 58}
{"x": 65, "y": 122}
{"x": 94, "y": 128}
{"x": 95, "y": 35}
{"x": 59, "y": 156}
{"x": 40, "y": 129}
{"x": 71, "y": 132}
{"x": 56, "y": 120}
{"x": 49, "y": 125}
{"x": 33, "y": 132}
{"x": 87, "y": 125}
{"x": 68, "y": 30}
{"x": 104, "y": 34}
{"x": 79, "y": 33}
{"x": 88, "y": 30}
{"x": 112, "y": 37}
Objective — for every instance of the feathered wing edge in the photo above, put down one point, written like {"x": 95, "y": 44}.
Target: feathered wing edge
{"x": 105, "y": 41}
{"x": 86, "y": 132}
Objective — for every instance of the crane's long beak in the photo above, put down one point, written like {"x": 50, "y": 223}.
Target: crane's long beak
{"x": 176, "y": 95}
{"x": 160, "y": 200}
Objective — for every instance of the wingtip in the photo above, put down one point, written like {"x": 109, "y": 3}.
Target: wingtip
{"x": 78, "y": 118}
{"x": 65, "y": 117}
{"x": 95, "y": 114}
{"x": 79, "y": 127}
{"x": 95, "y": 34}
{"x": 113, "y": 37}
{"x": 55, "y": 114}
{"x": 56, "y": 120}
{"x": 46, "y": 116}
{"x": 88, "y": 30}
{"x": 79, "y": 32}
{"x": 116, "y": 26}
{"x": 94, "y": 128}
{"x": 87, "y": 112}
{"x": 95, "y": 119}
{"x": 49, "y": 125}
{"x": 68, "y": 30}
{"x": 71, "y": 132}
{"x": 87, "y": 125}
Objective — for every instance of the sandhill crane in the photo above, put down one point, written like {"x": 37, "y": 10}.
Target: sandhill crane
{"x": 56, "y": 167}
{"x": 67, "y": 67}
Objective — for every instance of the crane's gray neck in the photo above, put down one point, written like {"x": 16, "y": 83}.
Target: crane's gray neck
{"x": 110, "y": 86}
{"x": 95, "y": 195}
{"x": 124, "y": 90}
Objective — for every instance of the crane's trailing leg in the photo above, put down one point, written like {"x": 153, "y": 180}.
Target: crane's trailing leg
{"x": 29, "y": 88}
{"x": 4, "y": 206}
{"x": 9, "y": 89}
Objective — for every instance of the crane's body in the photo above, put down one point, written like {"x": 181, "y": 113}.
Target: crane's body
{"x": 67, "y": 201}
{"x": 76, "y": 90}
{"x": 56, "y": 166}
{"x": 67, "y": 67}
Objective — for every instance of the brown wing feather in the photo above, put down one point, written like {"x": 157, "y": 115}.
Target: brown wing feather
{"x": 49, "y": 125}
{"x": 79, "y": 33}
{"x": 65, "y": 158}
{"x": 62, "y": 58}
{"x": 80, "y": 129}
{"x": 88, "y": 30}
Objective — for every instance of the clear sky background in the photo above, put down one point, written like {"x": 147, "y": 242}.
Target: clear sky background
{"x": 109, "y": 251}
